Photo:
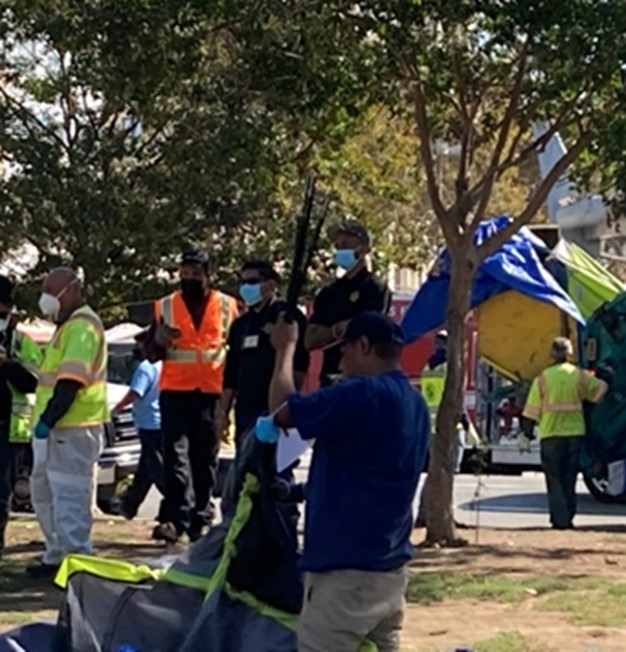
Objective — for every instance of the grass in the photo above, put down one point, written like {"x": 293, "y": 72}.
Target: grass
{"x": 428, "y": 588}
{"x": 501, "y": 642}
{"x": 508, "y": 642}
{"x": 605, "y": 607}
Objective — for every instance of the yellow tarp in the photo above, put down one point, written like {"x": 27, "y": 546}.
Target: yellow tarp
{"x": 515, "y": 333}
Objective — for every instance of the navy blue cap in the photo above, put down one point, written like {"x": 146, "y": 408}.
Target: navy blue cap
{"x": 196, "y": 258}
{"x": 351, "y": 228}
{"x": 376, "y": 327}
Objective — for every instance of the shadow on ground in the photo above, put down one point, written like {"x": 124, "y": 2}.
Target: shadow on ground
{"x": 537, "y": 503}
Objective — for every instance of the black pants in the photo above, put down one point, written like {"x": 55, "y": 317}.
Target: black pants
{"x": 560, "y": 459}
{"x": 149, "y": 472}
{"x": 9, "y": 455}
{"x": 190, "y": 449}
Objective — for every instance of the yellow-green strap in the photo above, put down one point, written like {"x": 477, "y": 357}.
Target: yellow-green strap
{"x": 251, "y": 486}
{"x": 286, "y": 619}
{"x": 218, "y": 577}
{"x": 110, "y": 569}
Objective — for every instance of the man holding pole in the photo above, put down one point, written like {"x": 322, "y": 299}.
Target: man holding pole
{"x": 357, "y": 291}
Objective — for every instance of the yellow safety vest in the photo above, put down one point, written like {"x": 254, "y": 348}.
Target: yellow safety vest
{"x": 25, "y": 351}
{"x": 556, "y": 400}
{"x": 432, "y": 382}
{"x": 77, "y": 351}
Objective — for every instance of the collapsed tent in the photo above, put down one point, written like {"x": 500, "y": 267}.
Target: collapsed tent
{"x": 237, "y": 589}
{"x": 515, "y": 297}
{"x": 505, "y": 320}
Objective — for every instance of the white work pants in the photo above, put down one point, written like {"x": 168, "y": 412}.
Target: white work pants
{"x": 62, "y": 488}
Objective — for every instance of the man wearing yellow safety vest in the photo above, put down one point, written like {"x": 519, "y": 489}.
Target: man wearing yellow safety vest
{"x": 190, "y": 334}
{"x": 70, "y": 412}
{"x": 19, "y": 360}
{"x": 556, "y": 401}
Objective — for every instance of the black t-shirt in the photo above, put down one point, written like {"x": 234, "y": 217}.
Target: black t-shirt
{"x": 250, "y": 358}
{"x": 344, "y": 299}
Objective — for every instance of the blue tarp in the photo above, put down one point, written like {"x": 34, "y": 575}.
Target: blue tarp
{"x": 515, "y": 266}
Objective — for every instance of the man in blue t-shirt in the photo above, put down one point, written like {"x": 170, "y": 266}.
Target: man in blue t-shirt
{"x": 371, "y": 432}
{"x": 143, "y": 394}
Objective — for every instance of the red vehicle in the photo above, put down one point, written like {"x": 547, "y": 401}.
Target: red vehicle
{"x": 416, "y": 355}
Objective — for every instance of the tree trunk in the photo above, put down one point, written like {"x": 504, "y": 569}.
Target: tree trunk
{"x": 440, "y": 498}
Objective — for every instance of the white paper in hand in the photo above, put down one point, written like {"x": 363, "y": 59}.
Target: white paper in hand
{"x": 290, "y": 448}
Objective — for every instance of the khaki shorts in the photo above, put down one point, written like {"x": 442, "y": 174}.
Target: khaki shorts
{"x": 342, "y": 609}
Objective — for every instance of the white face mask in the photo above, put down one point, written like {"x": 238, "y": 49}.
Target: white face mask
{"x": 4, "y": 324}
{"x": 50, "y": 306}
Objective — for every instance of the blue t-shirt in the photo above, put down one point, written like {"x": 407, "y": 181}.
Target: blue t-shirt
{"x": 145, "y": 382}
{"x": 371, "y": 437}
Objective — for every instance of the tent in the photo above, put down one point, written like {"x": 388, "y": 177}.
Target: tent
{"x": 40, "y": 330}
{"x": 237, "y": 589}
{"x": 524, "y": 295}
{"x": 123, "y": 333}
{"x": 516, "y": 299}
{"x": 583, "y": 277}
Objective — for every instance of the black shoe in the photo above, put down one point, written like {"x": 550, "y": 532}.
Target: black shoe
{"x": 40, "y": 571}
{"x": 166, "y": 532}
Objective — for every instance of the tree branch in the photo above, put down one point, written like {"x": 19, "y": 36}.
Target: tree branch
{"x": 425, "y": 136}
{"x": 536, "y": 201}
{"x": 26, "y": 116}
{"x": 490, "y": 175}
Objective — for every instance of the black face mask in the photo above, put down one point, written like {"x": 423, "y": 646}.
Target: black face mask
{"x": 192, "y": 289}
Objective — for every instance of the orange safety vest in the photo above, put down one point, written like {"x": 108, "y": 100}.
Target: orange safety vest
{"x": 196, "y": 360}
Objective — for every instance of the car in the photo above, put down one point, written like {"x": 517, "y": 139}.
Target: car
{"x": 120, "y": 455}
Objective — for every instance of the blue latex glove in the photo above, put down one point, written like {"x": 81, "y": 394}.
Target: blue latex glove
{"x": 42, "y": 430}
{"x": 266, "y": 430}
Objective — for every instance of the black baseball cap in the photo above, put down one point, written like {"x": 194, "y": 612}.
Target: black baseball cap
{"x": 351, "y": 228}
{"x": 376, "y": 327}
{"x": 196, "y": 258}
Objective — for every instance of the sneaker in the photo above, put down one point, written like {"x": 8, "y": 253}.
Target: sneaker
{"x": 40, "y": 570}
{"x": 166, "y": 532}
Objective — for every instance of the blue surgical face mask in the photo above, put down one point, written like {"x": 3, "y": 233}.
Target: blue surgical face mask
{"x": 345, "y": 258}
{"x": 251, "y": 293}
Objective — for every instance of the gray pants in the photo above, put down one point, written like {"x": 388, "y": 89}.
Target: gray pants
{"x": 560, "y": 459}
{"x": 342, "y": 609}
{"x": 62, "y": 485}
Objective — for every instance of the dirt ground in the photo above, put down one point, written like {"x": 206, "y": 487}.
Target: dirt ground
{"x": 521, "y": 554}
{"x": 511, "y": 555}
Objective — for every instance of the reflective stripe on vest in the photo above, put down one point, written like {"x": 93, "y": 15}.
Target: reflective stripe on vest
{"x": 28, "y": 354}
{"x": 90, "y": 406}
{"x": 196, "y": 359}
{"x": 575, "y": 405}
{"x": 191, "y": 355}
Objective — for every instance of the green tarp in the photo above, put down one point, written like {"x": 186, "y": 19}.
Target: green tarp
{"x": 589, "y": 284}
